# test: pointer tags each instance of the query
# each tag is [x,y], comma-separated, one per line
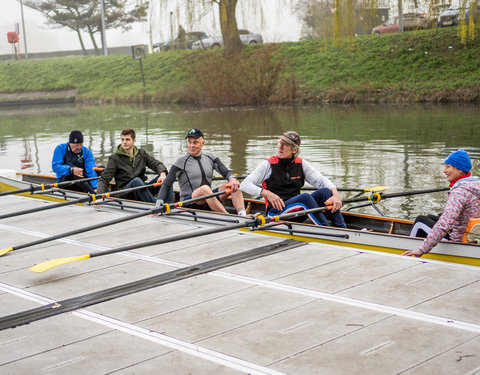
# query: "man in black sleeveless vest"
[73,161]
[281,178]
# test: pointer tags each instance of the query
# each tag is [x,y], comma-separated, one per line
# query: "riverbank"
[420,66]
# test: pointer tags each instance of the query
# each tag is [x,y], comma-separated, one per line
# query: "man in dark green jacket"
[128,166]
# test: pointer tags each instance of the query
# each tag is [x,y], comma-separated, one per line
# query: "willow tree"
[336,19]
[194,10]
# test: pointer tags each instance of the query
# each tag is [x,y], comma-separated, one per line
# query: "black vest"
[74,160]
[287,177]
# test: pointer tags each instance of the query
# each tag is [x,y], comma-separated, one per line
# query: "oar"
[374,197]
[222,178]
[259,221]
[91,198]
[43,187]
[372,189]
[153,211]
[45,266]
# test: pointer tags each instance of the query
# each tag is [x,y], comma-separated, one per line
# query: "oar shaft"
[170,239]
[89,198]
[415,192]
[152,211]
[34,188]
[372,197]
[83,230]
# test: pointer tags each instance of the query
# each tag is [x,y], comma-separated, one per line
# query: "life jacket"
[472,232]
[72,159]
[287,178]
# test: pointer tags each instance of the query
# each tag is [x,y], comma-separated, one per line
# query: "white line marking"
[471,327]
[170,342]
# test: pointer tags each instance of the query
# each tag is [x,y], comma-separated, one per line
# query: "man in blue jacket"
[73,161]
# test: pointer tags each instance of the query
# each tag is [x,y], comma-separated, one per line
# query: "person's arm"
[167,184]
[89,165]
[251,183]
[226,173]
[107,175]
[318,180]
[453,209]
[222,169]
[58,167]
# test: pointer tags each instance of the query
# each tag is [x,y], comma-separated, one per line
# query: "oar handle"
[166,207]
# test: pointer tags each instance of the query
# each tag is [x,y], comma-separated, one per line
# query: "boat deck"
[307,308]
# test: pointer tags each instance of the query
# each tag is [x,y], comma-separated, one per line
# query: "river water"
[402,147]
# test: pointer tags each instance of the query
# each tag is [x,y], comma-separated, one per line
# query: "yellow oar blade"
[4,251]
[45,266]
[377,188]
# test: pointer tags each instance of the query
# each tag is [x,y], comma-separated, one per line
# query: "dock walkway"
[307,308]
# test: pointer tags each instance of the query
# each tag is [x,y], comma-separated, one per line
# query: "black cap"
[76,136]
[194,133]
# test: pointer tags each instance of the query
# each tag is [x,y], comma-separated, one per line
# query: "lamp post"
[23,29]
[104,37]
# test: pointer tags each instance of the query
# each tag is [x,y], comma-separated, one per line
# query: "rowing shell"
[364,231]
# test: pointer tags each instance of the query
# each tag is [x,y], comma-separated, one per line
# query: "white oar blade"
[45,266]
[4,251]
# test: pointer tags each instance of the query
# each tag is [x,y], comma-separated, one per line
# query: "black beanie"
[76,136]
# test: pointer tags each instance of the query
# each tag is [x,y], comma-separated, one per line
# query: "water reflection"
[356,146]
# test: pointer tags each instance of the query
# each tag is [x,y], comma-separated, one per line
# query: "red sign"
[12,37]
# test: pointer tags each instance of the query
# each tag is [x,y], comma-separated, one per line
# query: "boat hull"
[364,232]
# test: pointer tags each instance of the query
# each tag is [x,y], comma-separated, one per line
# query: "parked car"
[217,41]
[434,12]
[449,17]
[190,38]
[456,12]
[411,21]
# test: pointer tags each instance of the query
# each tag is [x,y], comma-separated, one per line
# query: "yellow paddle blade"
[45,266]
[4,251]
[377,188]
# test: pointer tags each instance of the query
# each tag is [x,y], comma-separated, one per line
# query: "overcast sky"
[279,24]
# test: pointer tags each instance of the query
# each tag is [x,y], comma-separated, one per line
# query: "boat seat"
[472,232]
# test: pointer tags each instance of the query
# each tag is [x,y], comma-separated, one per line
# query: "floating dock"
[234,302]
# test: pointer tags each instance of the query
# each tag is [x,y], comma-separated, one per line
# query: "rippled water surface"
[402,147]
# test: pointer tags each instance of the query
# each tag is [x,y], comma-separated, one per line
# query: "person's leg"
[141,195]
[237,199]
[423,225]
[302,201]
[155,189]
[214,204]
[84,187]
[321,196]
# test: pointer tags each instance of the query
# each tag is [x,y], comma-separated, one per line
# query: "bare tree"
[85,15]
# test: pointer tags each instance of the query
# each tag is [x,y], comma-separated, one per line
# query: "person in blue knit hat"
[463,204]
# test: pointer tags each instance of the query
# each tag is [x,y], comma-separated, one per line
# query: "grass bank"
[420,66]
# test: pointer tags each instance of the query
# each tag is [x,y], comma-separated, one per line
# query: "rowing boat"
[363,231]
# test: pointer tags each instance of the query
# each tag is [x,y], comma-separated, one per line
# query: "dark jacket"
[125,168]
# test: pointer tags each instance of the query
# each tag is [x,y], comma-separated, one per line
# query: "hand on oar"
[160,209]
